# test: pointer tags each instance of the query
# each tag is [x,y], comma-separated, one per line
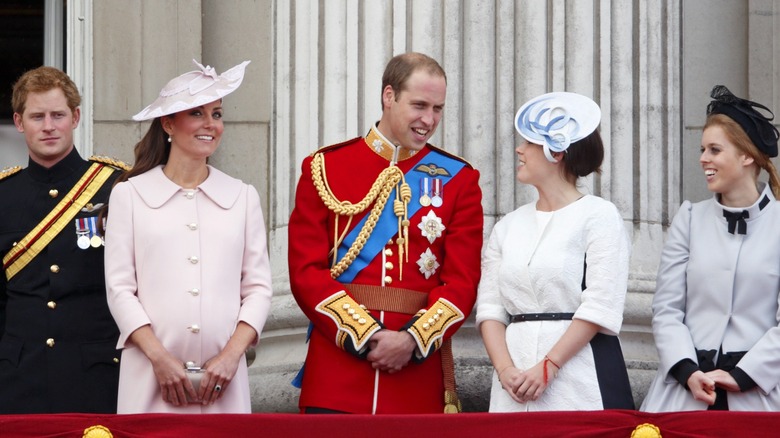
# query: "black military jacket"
[57,337]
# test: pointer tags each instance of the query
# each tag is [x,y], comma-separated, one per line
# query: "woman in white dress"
[555,272]
[715,309]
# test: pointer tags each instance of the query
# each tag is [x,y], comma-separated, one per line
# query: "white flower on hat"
[193,89]
[556,120]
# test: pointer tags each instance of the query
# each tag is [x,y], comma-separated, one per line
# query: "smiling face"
[47,124]
[410,117]
[195,133]
[726,168]
[533,166]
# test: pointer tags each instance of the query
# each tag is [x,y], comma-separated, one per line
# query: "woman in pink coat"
[187,269]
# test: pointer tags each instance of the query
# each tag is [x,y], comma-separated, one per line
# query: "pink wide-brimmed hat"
[192,90]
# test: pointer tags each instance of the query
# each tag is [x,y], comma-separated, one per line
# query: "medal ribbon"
[437,187]
[387,224]
[43,233]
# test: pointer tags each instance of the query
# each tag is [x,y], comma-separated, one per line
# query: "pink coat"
[192,263]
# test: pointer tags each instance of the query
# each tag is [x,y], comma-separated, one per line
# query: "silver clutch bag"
[195,374]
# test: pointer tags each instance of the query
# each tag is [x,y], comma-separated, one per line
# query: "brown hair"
[584,157]
[402,66]
[41,80]
[151,151]
[740,139]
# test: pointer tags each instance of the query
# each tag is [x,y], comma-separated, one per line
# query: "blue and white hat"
[556,120]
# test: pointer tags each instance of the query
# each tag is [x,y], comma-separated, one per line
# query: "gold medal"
[425,199]
[95,241]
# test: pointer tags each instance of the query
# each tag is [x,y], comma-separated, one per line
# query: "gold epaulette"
[113,162]
[451,155]
[8,171]
[335,146]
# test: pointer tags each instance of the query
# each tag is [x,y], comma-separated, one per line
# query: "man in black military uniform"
[57,337]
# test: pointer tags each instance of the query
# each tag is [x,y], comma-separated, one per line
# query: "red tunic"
[337,376]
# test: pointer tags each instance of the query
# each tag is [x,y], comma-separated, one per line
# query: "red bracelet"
[544,366]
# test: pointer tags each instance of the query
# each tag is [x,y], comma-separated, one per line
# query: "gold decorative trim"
[97,431]
[113,162]
[351,319]
[382,147]
[379,192]
[8,171]
[646,430]
[429,329]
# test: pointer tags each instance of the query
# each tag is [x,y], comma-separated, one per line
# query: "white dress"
[533,267]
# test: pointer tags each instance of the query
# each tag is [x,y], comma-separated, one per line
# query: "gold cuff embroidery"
[429,329]
[351,319]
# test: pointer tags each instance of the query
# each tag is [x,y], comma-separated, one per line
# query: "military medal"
[437,200]
[82,233]
[82,242]
[425,200]
[95,241]
[431,226]
[87,233]
[427,263]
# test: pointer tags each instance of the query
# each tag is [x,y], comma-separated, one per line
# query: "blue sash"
[387,225]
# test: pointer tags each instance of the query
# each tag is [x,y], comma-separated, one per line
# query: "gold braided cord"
[379,192]
[389,177]
[338,239]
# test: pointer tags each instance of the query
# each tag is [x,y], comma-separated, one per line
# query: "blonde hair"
[740,139]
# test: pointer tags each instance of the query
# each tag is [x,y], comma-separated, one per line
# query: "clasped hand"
[390,351]
[526,385]
[702,385]
[176,387]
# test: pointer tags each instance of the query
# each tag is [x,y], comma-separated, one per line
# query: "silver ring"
[218,388]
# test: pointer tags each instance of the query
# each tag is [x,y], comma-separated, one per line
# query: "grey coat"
[716,289]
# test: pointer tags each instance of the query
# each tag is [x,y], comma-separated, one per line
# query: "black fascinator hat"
[757,126]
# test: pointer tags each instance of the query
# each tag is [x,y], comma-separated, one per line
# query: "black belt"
[540,317]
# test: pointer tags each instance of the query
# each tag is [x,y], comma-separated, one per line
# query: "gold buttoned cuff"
[352,320]
[429,328]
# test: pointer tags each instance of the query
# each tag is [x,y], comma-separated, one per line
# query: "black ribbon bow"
[736,221]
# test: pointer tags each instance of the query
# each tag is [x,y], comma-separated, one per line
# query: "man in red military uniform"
[384,253]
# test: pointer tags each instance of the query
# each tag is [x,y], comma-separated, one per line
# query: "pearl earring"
[169,139]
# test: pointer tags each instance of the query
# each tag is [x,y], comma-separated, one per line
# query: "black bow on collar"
[736,221]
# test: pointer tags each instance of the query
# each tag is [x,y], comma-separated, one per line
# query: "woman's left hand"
[220,371]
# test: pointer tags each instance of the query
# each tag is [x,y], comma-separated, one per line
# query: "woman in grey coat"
[715,310]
